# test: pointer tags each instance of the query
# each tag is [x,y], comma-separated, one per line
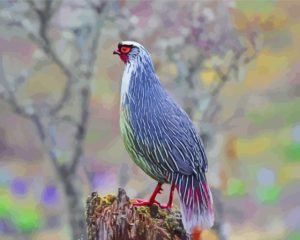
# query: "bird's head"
[129,50]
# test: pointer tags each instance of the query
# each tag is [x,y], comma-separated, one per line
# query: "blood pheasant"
[161,139]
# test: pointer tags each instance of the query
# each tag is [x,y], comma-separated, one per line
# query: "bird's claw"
[143,202]
[152,200]
[140,202]
[165,205]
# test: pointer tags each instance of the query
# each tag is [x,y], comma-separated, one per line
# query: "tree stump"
[114,218]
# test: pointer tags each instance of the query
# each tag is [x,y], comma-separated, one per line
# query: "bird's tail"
[196,201]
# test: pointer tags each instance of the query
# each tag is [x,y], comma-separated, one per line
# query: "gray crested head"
[131,52]
[139,74]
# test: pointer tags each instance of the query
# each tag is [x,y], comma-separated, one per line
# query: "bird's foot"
[158,190]
[165,205]
[143,202]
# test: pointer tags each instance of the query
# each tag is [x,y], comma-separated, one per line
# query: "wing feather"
[171,140]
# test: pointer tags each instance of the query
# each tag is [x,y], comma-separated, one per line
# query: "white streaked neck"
[126,80]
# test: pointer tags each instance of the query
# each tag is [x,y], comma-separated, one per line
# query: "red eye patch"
[125,49]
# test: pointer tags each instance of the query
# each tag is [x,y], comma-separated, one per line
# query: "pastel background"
[233,65]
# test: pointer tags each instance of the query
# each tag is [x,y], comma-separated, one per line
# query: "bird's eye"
[125,49]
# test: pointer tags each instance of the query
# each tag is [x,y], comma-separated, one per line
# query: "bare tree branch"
[86,94]
[66,119]
[47,120]
[9,96]
[100,7]
[47,146]
[44,15]
[28,112]
[42,40]
[72,75]
[234,67]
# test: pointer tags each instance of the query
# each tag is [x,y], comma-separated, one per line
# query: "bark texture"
[114,218]
[72,189]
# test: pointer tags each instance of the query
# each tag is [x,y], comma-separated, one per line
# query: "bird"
[162,140]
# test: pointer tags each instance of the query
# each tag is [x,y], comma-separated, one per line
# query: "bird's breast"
[126,80]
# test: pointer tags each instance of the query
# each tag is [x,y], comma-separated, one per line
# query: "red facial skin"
[123,51]
[124,57]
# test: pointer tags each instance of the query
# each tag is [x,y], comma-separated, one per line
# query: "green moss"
[168,219]
[110,198]
[173,224]
[106,200]
[153,217]
[143,210]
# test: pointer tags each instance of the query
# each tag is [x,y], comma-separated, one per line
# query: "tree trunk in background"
[72,189]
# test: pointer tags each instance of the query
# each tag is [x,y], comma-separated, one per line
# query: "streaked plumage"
[161,138]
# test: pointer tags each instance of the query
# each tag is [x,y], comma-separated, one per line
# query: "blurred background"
[232,65]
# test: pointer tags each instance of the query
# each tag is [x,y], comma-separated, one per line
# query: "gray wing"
[170,140]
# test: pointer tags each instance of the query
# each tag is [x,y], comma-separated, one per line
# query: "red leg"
[171,197]
[151,201]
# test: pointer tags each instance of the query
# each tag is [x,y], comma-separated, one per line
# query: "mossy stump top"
[115,218]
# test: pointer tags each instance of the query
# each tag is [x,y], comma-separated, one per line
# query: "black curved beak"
[116,52]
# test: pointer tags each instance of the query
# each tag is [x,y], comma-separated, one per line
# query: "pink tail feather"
[195,201]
